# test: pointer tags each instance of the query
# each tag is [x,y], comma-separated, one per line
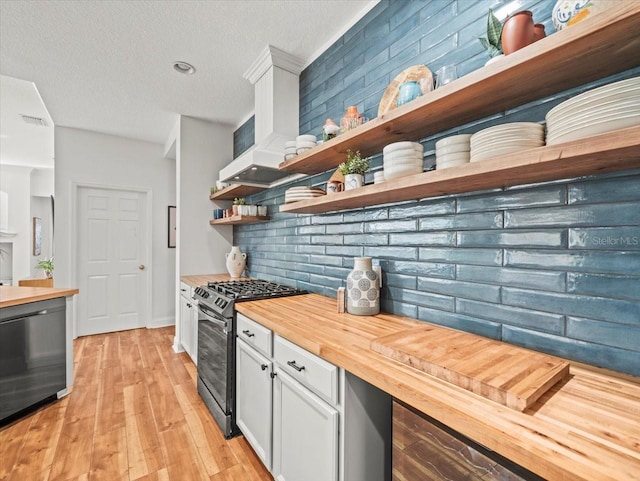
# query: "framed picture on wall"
[172,226]
[37,236]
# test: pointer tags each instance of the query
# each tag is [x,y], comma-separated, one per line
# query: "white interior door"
[111,256]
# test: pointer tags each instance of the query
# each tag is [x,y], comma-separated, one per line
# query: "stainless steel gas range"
[216,341]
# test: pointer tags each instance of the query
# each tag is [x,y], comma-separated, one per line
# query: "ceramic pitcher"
[236,261]
[363,288]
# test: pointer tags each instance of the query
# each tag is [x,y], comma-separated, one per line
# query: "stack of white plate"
[290,149]
[452,151]
[294,194]
[506,138]
[610,107]
[401,159]
[305,142]
[378,177]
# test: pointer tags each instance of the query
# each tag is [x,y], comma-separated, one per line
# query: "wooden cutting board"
[507,374]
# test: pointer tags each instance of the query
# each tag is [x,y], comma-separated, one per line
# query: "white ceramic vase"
[353,181]
[363,289]
[236,261]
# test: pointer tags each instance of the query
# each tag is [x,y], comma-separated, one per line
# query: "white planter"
[252,210]
[262,210]
[353,181]
[236,261]
[243,209]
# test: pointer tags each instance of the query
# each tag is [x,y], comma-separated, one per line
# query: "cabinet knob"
[273,375]
[189,305]
[141,267]
[295,366]
[263,367]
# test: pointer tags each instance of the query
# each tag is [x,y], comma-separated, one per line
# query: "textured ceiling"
[106,65]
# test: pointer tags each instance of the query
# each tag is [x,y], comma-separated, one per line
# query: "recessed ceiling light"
[184,67]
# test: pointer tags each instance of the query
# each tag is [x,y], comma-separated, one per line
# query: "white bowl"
[446,165]
[302,149]
[402,152]
[476,156]
[306,138]
[455,157]
[393,172]
[403,145]
[453,140]
[304,143]
[453,149]
[378,177]
[290,143]
[404,159]
[290,156]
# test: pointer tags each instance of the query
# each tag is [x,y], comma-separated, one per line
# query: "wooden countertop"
[202,279]
[16,295]
[587,428]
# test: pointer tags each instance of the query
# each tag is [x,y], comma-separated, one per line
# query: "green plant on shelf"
[491,42]
[354,164]
[239,201]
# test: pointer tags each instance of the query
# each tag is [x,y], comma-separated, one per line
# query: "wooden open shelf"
[619,150]
[235,190]
[603,45]
[240,219]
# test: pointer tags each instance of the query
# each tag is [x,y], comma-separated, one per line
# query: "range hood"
[275,75]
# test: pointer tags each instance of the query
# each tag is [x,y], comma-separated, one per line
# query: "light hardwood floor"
[134,414]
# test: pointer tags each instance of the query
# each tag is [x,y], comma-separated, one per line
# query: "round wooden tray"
[419,73]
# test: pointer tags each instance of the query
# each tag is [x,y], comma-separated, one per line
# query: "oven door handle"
[213,319]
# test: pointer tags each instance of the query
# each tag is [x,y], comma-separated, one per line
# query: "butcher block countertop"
[201,280]
[16,295]
[586,427]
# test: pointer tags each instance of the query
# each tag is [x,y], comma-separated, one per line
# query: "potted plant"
[46,265]
[237,202]
[354,169]
[492,42]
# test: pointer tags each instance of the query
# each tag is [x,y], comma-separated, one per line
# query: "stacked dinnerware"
[290,149]
[378,177]
[603,109]
[401,159]
[295,194]
[506,138]
[304,143]
[452,151]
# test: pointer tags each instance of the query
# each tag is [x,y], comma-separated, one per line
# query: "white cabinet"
[307,419]
[188,323]
[305,433]
[254,399]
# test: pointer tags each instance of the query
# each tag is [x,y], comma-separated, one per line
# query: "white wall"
[98,159]
[203,148]
[15,181]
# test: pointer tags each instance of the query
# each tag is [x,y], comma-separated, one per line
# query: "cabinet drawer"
[186,290]
[255,334]
[317,374]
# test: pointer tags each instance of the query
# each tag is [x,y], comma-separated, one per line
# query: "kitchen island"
[584,428]
[16,295]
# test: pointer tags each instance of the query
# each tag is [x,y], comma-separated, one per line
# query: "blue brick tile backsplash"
[553,266]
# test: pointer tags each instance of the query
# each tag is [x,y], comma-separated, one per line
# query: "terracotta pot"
[538,32]
[517,31]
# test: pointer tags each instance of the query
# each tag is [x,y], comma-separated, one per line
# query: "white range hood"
[275,75]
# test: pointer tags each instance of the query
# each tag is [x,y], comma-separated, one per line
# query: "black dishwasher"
[32,355]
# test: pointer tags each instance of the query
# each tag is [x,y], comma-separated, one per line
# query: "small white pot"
[353,181]
[262,210]
[252,210]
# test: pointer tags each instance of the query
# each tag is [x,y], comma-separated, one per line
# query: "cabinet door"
[305,434]
[186,324]
[254,399]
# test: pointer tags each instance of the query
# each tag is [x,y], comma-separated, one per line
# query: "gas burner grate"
[253,289]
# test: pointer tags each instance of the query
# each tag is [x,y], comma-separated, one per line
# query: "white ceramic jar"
[363,289]
[236,261]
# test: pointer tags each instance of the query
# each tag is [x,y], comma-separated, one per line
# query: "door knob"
[141,267]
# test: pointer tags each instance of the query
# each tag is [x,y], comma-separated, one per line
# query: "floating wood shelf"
[235,190]
[240,219]
[603,45]
[619,150]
